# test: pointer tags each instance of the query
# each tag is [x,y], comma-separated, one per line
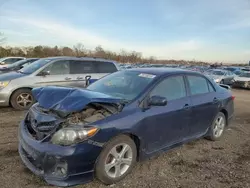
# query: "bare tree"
[79,49]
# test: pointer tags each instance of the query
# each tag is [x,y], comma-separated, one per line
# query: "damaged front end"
[64,116]
[242,84]
[54,136]
[53,126]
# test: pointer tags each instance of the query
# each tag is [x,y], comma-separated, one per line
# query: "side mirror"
[44,73]
[157,101]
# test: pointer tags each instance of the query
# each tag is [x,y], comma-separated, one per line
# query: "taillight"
[233,97]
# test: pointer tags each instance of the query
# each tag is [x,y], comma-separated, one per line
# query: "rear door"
[204,104]
[79,69]
[96,69]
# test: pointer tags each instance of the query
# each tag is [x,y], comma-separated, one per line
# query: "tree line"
[79,50]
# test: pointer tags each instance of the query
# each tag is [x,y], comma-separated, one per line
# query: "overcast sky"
[208,30]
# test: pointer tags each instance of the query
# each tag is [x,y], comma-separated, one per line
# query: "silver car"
[15,87]
[9,60]
[221,76]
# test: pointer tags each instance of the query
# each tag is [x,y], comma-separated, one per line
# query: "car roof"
[12,57]
[162,71]
[79,58]
[223,70]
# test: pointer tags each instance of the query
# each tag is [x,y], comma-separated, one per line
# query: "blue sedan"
[71,135]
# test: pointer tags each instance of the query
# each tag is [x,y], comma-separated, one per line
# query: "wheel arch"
[30,88]
[224,111]
[137,142]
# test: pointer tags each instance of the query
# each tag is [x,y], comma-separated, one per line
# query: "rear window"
[198,85]
[81,67]
[12,60]
[105,67]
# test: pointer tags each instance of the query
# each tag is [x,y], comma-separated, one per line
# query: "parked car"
[232,69]
[72,134]
[221,76]
[15,87]
[17,65]
[9,60]
[243,80]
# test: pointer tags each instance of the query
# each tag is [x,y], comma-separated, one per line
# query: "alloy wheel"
[24,99]
[118,160]
[219,126]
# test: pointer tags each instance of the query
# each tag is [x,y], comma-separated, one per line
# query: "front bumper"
[58,165]
[4,98]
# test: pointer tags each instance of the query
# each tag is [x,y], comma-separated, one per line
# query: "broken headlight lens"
[4,84]
[69,136]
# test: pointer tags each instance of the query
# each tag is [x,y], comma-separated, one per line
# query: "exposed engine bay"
[90,114]
[41,122]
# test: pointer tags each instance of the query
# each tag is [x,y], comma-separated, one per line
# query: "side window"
[105,67]
[198,85]
[172,88]
[10,60]
[58,68]
[18,59]
[82,67]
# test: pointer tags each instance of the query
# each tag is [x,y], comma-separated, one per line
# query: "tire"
[212,134]
[20,94]
[103,171]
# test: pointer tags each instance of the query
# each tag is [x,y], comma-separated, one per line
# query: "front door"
[167,125]
[57,74]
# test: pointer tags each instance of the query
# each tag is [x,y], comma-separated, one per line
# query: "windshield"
[18,63]
[245,74]
[34,66]
[231,69]
[215,72]
[123,84]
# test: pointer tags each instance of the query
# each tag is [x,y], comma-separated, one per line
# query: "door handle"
[186,107]
[67,78]
[79,78]
[215,100]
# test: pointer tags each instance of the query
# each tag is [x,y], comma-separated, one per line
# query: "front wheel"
[217,128]
[22,99]
[116,160]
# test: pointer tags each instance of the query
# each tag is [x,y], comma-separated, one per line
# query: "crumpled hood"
[69,99]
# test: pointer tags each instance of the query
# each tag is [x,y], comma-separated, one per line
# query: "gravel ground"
[201,163]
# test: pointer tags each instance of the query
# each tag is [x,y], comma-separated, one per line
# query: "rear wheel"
[217,128]
[22,99]
[116,160]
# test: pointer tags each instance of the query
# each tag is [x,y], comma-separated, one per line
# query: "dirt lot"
[202,163]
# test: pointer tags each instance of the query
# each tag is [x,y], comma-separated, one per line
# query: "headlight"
[69,136]
[4,84]
[217,80]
